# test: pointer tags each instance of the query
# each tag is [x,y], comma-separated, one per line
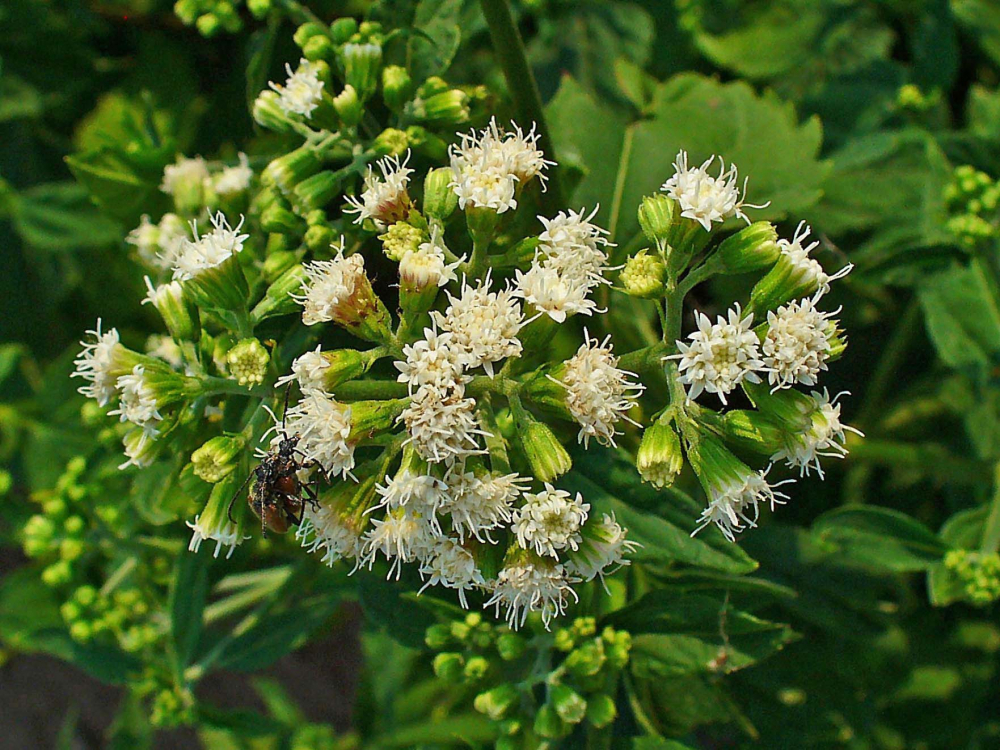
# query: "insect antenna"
[229,510]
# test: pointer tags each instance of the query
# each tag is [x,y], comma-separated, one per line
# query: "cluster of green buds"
[212,17]
[123,615]
[778,340]
[535,689]
[972,198]
[978,573]
[170,705]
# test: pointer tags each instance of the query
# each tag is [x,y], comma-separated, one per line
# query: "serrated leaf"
[961,318]
[123,183]
[430,52]
[60,217]
[881,538]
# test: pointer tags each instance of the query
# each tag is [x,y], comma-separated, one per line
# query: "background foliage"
[840,623]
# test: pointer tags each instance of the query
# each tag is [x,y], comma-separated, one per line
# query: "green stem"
[213,386]
[509,48]
[991,531]
[366,390]
[888,364]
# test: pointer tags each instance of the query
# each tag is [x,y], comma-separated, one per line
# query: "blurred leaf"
[60,217]
[124,183]
[187,603]
[430,53]
[981,18]
[935,46]
[130,729]
[243,723]
[384,606]
[655,743]
[964,530]
[880,538]
[462,730]
[260,51]
[18,99]
[961,319]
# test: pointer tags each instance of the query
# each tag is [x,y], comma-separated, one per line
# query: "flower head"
[401,537]
[603,549]
[803,269]
[324,529]
[184,175]
[137,403]
[824,437]
[442,425]
[797,344]
[550,521]
[598,393]
[483,324]
[420,493]
[451,565]
[427,265]
[302,91]
[338,290]
[480,503]
[433,361]
[384,199]
[234,179]
[704,198]
[99,364]
[532,586]
[719,355]
[209,250]
[323,426]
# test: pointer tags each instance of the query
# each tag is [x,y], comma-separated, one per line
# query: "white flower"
[603,550]
[734,505]
[208,250]
[442,425]
[825,437]
[168,293]
[401,537]
[97,364]
[335,290]
[302,91]
[323,427]
[323,529]
[427,265]
[719,356]
[384,199]
[165,348]
[450,565]
[138,448]
[807,269]
[550,521]
[480,504]
[598,393]
[137,402]
[419,493]
[173,234]
[184,174]
[797,344]
[487,166]
[309,370]
[532,587]
[234,179]
[145,238]
[554,294]
[224,535]
[433,361]
[483,324]
[705,198]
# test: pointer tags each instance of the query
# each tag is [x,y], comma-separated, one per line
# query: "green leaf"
[461,730]
[981,18]
[661,521]
[961,319]
[964,530]
[187,603]
[60,217]
[655,743]
[430,53]
[385,607]
[124,183]
[880,538]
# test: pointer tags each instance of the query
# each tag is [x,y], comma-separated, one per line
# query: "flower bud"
[397,87]
[569,704]
[656,217]
[753,248]
[278,298]
[317,191]
[348,106]
[659,459]
[445,109]
[216,458]
[268,114]
[213,524]
[259,8]
[362,64]
[476,668]
[307,31]
[318,238]
[185,182]
[449,666]
[343,29]
[618,644]
[752,431]
[549,724]
[496,702]
[289,170]
[276,263]
[139,447]
[318,48]
[391,142]
[208,25]
[510,646]
[179,316]
[426,143]
[440,200]
[587,660]
[643,275]
[277,218]
[401,238]
[437,636]
[601,710]
[248,362]
[543,450]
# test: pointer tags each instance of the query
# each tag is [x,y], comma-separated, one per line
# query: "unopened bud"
[259,8]
[391,142]
[277,218]
[318,237]
[276,263]
[656,217]
[317,191]
[426,143]
[397,87]
[248,362]
[601,710]
[278,297]
[289,170]
[440,200]
[510,646]
[569,704]
[643,275]
[437,636]
[343,29]
[752,431]
[543,450]
[447,108]
[401,238]
[659,459]
[496,702]
[753,248]
[268,114]
[362,65]
[448,666]
[307,31]
[476,668]
[348,106]
[618,644]
[216,458]
[587,659]
[549,724]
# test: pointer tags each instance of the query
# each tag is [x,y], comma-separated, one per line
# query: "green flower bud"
[277,262]
[343,29]
[440,200]
[449,666]
[70,549]
[460,631]
[277,218]
[549,724]
[318,238]
[569,704]
[187,10]
[397,87]
[348,106]
[497,702]
[437,636]
[510,646]
[584,627]
[208,25]
[618,644]
[753,432]
[307,31]
[656,217]
[391,142]
[362,65]
[753,248]
[793,275]
[368,29]
[57,573]
[448,108]
[317,191]
[659,459]
[401,238]
[507,743]
[73,525]
[216,458]
[643,275]
[564,640]
[259,8]
[587,659]
[601,710]
[268,114]
[543,450]
[248,362]
[476,668]
[81,631]
[171,302]
[70,611]
[370,418]
[289,170]
[85,595]
[426,143]
[278,297]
